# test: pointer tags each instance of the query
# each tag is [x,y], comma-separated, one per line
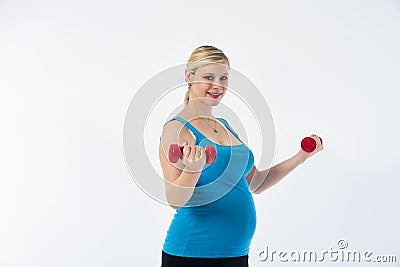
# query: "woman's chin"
[211,102]
[207,100]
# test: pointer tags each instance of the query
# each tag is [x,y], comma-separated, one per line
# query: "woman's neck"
[199,109]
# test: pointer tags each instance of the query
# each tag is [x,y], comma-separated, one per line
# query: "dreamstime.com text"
[342,254]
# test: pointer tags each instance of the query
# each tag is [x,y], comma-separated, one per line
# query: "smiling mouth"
[213,95]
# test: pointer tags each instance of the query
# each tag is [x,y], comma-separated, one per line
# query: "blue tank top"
[219,220]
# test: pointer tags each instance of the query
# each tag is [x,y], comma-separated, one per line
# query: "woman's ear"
[187,76]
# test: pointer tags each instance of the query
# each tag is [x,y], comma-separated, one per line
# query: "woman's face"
[209,83]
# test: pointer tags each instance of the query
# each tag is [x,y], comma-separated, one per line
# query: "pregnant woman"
[215,216]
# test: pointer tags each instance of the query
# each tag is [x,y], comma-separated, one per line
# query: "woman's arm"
[180,177]
[259,181]
[179,183]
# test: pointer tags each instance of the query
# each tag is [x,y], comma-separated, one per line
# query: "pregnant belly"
[223,227]
[232,216]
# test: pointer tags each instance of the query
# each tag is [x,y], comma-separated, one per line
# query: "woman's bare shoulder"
[175,132]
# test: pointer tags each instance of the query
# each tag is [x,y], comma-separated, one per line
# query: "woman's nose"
[217,86]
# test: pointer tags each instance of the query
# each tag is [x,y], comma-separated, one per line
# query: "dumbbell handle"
[176,152]
[308,144]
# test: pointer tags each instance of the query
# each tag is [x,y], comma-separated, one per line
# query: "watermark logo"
[341,254]
[342,244]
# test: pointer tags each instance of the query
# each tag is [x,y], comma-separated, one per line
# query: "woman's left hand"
[305,155]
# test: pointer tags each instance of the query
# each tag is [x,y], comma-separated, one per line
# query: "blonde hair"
[201,56]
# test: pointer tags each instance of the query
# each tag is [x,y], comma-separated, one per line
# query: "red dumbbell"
[308,144]
[176,152]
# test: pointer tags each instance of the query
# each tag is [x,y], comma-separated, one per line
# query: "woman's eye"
[224,78]
[209,78]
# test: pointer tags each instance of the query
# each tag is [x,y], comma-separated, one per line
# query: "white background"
[69,69]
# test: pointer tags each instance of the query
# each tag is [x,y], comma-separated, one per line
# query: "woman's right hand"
[194,157]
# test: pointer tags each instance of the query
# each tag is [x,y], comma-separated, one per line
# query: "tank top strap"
[229,128]
[199,135]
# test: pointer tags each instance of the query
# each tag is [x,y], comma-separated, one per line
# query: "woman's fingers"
[186,151]
[319,143]
[193,157]
[198,153]
[191,152]
[317,139]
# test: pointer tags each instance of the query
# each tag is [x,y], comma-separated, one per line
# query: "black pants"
[177,261]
